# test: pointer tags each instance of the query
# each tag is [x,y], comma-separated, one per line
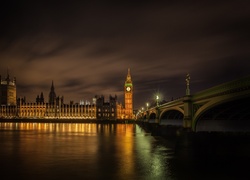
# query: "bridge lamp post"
[157,109]
[139,114]
[142,113]
[147,114]
[157,100]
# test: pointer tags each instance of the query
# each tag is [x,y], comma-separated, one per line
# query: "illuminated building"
[8,97]
[55,108]
[111,110]
[120,111]
[128,97]
[31,110]
[64,111]
[8,91]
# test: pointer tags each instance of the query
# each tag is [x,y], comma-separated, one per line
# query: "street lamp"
[157,100]
[147,104]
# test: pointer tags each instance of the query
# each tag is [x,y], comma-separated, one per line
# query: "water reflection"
[115,151]
[77,151]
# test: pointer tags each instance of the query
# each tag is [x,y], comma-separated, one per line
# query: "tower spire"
[8,75]
[128,79]
[52,94]
[52,86]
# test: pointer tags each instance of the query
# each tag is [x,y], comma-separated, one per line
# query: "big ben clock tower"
[128,95]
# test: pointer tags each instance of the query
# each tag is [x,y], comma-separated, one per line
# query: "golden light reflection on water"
[52,127]
[59,130]
[93,151]
[80,147]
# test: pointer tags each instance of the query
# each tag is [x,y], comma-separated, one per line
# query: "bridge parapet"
[171,103]
[223,89]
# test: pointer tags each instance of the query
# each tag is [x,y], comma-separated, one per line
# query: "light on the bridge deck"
[157,100]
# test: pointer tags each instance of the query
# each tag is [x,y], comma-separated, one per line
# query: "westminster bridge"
[221,108]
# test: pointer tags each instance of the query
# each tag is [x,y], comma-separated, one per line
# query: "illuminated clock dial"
[128,88]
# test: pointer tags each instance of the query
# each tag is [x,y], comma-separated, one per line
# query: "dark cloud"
[86,47]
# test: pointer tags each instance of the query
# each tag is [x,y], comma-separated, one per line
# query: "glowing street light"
[157,100]
[147,104]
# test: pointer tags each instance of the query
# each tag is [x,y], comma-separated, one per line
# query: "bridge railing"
[225,88]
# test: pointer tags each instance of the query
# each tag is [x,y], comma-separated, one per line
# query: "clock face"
[128,88]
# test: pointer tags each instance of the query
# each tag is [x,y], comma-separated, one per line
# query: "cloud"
[86,48]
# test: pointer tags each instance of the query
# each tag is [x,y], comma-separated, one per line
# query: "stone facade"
[8,91]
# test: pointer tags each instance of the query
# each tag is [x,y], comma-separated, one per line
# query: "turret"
[52,94]
[8,91]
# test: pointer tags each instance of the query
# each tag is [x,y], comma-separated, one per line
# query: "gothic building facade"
[46,110]
[8,91]
[128,97]
[8,96]
[110,110]
[40,99]
[52,95]
[56,108]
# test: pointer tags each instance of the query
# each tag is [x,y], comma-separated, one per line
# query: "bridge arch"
[173,117]
[229,113]
[152,115]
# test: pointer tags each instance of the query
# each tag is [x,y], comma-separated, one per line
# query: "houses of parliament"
[55,108]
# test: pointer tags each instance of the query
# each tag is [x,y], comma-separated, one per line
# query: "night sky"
[87,47]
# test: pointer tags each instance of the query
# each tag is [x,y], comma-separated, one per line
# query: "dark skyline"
[86,48]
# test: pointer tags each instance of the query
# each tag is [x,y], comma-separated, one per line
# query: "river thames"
[105,151]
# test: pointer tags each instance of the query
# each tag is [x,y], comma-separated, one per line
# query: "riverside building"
[8,96]
[8,91]
[55,108]
[110,110]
